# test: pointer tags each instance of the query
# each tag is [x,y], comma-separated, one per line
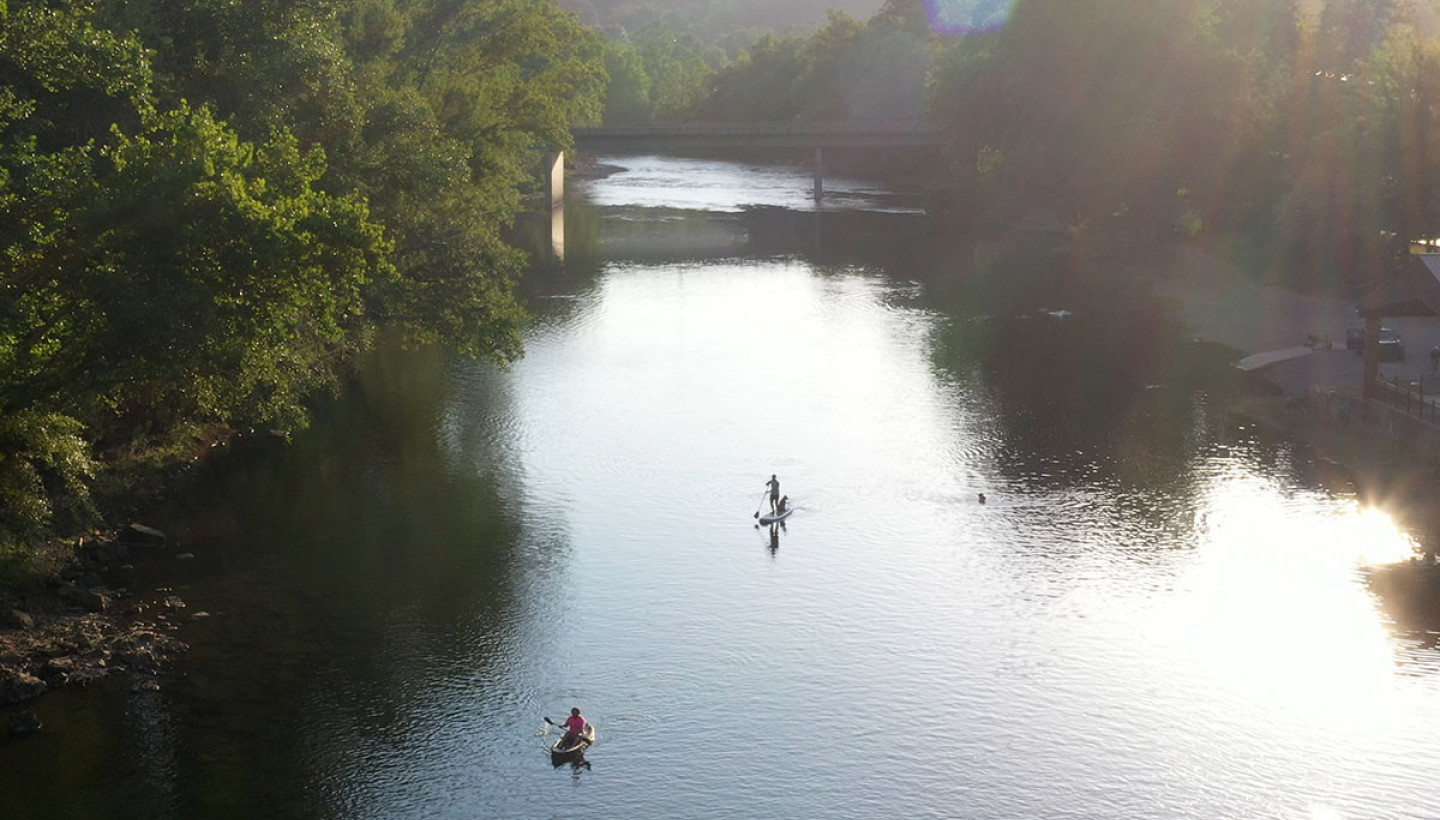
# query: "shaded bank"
[308,557]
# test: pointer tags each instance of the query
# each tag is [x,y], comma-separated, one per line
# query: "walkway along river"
[1155,614]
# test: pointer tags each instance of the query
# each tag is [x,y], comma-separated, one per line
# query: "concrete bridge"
[816,136]
[847,134]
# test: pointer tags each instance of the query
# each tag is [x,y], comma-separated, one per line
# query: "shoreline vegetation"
[207,213]
[185,258]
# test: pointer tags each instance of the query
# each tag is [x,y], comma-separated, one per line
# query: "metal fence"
[1408,395]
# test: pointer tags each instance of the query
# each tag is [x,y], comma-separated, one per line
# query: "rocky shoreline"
[586,167]
[85,624]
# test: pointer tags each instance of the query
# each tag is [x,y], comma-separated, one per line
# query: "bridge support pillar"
[819,173]
[555,177]
[557,233]
[555,193]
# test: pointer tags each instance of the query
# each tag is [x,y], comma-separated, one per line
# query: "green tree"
[1129,122]
[882,71]
[459,112]
[203,218]
[820,89]
[627,95]
[675,63]
[762,85]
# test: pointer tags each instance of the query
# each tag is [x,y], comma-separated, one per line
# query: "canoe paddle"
[762,503]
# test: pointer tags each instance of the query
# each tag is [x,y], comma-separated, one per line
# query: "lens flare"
[967,16]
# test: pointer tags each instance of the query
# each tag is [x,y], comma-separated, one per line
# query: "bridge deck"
[849,134]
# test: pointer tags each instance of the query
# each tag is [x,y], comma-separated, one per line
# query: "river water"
[1157,612]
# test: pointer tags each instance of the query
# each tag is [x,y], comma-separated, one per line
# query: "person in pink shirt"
[573,726]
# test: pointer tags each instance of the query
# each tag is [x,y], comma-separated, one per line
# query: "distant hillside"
[710,20]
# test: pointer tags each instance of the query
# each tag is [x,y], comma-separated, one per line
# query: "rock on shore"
[140,535]
[74,632]
[78,649]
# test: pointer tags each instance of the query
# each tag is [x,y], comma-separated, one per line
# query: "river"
[1157,612]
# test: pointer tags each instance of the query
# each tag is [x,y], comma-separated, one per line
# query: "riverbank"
[1310,393]
[84,623]
[1281,333]
[1385,462]
[73,608]
[586,167]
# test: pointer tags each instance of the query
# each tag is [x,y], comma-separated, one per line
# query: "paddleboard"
[771,518]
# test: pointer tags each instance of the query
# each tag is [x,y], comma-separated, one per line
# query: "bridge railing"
[789,128]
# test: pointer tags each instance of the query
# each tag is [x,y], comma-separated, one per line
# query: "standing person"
[1435,358]
[774,485]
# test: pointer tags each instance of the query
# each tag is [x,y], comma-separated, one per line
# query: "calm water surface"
[1155,615]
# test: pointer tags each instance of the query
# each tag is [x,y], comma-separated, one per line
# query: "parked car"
[1392,347]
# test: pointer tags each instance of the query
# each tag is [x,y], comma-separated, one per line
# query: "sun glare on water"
[1275,608]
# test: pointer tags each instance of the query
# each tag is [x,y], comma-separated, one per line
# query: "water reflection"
[1337,664]
[726,186]
[360,579]
[1152,614]
[773,536]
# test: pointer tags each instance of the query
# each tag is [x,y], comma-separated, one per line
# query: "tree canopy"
[1303,131]
[1304,127]
[207,207]
[715,21]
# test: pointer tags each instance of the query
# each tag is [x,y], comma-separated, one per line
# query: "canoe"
[772,518]
[576,750]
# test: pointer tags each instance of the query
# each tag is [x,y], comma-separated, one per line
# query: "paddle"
[556,725]
[580,738]
[761,504]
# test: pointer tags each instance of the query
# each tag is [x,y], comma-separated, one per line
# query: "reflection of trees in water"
[893,242]
[361,566]
[595,236]
[1085,379]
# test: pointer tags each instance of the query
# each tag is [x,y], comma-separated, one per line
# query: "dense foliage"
[716,21]
[847,69]
[207,207]
[1306,133]
[1305,128]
